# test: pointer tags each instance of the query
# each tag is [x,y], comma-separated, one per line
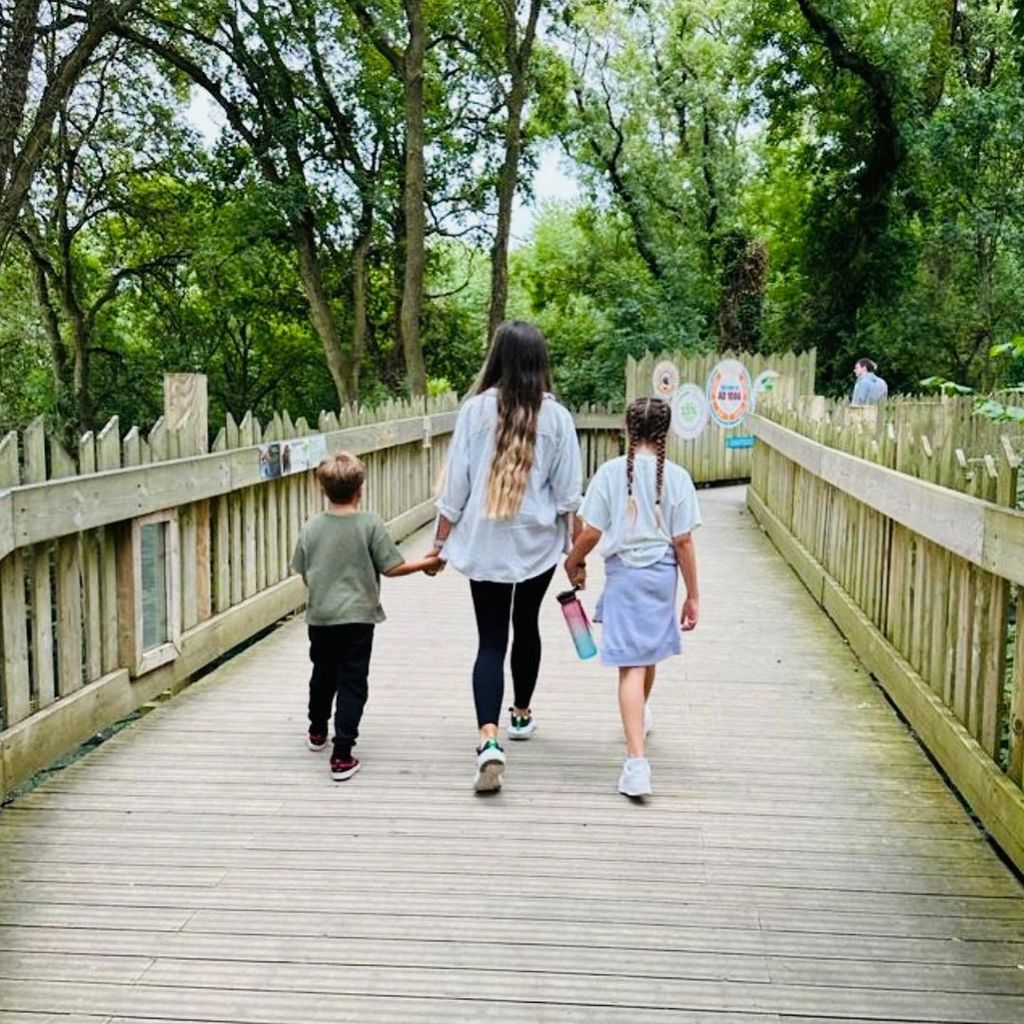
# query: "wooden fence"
[601,430]
[938,439]
[925,583]
[708,458]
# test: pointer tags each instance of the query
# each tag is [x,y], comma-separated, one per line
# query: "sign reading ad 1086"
[729,393]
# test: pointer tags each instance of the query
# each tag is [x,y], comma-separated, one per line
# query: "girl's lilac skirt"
[637,612]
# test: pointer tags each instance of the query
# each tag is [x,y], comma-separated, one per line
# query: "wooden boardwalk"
[801,860]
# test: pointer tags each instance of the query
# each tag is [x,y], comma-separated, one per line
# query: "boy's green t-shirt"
[342,556]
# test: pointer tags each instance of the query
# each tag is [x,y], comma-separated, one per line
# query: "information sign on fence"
[665,379]
[689,412]
[729,393]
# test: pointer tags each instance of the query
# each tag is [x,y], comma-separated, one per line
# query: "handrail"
[988,535]
[32,513]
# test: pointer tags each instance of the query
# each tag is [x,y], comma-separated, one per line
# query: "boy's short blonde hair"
[341,476]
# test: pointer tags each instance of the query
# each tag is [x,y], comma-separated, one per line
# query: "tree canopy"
[314,201]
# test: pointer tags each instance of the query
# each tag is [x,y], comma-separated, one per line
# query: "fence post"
[187,417]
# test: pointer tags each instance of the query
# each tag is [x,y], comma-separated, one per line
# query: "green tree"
[99,217]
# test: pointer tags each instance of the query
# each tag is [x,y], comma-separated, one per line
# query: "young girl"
[642,510]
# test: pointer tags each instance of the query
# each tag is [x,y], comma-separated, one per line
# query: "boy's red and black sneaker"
[343,768]
[316,740]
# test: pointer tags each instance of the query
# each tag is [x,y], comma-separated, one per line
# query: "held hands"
[434,562]
[690,615]
[577,572]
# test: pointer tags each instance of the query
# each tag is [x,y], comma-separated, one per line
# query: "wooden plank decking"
[801,860]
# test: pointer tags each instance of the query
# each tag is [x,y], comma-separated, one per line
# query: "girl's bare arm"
[575,565]
[686,555]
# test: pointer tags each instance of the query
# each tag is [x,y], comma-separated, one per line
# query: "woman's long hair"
[517,365]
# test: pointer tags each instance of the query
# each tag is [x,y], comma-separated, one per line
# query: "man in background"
[870,389]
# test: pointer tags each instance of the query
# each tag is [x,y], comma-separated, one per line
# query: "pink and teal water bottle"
[579,624]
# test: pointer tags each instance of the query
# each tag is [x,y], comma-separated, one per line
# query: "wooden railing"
[81,593]
[601,431]
[926,584]
[940,439]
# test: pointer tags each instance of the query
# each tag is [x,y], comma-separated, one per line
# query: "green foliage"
[582,281]
[26,376]
[769,175]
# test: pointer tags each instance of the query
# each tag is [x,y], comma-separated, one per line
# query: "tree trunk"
[394,360]
[518,59]
[507,183]
[320,307]
[711,213]
[360,291]
[24,162]
[413,201]
[80,376]
[943,31]
[51,324]
[16,62]
[887,151]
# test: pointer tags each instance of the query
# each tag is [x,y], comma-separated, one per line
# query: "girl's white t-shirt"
[640,541]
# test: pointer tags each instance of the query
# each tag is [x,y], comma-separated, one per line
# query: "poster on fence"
[270,461]
[764,383]
[317,450]
[665,380]
[729,393]
[285,458]
[294,456]
[689,412]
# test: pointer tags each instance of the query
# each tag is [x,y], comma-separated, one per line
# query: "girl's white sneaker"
[635,779]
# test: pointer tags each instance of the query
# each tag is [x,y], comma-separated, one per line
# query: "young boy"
[341,554]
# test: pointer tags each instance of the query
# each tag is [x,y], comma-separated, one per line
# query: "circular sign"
[729,393]
[689,412]
[666,379]
[764,381]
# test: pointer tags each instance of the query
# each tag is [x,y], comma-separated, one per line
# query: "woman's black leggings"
[496,605]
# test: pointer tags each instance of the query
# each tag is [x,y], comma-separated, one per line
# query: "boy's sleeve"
[455,490]
[383,550]
[596,508]
[299,555]
[684,516]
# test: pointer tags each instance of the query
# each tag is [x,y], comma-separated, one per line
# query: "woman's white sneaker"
[635,779]
[521,727]
[490,767]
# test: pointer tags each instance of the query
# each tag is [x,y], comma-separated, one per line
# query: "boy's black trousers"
[341,668]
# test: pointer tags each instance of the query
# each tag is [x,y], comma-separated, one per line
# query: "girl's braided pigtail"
[631,433]
[647,422]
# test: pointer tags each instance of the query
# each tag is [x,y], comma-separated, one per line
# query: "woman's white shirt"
[644,539]
[517,549]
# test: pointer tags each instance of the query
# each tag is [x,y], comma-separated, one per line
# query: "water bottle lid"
[566,596]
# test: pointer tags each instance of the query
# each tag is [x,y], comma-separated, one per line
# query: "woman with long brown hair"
[512,483]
